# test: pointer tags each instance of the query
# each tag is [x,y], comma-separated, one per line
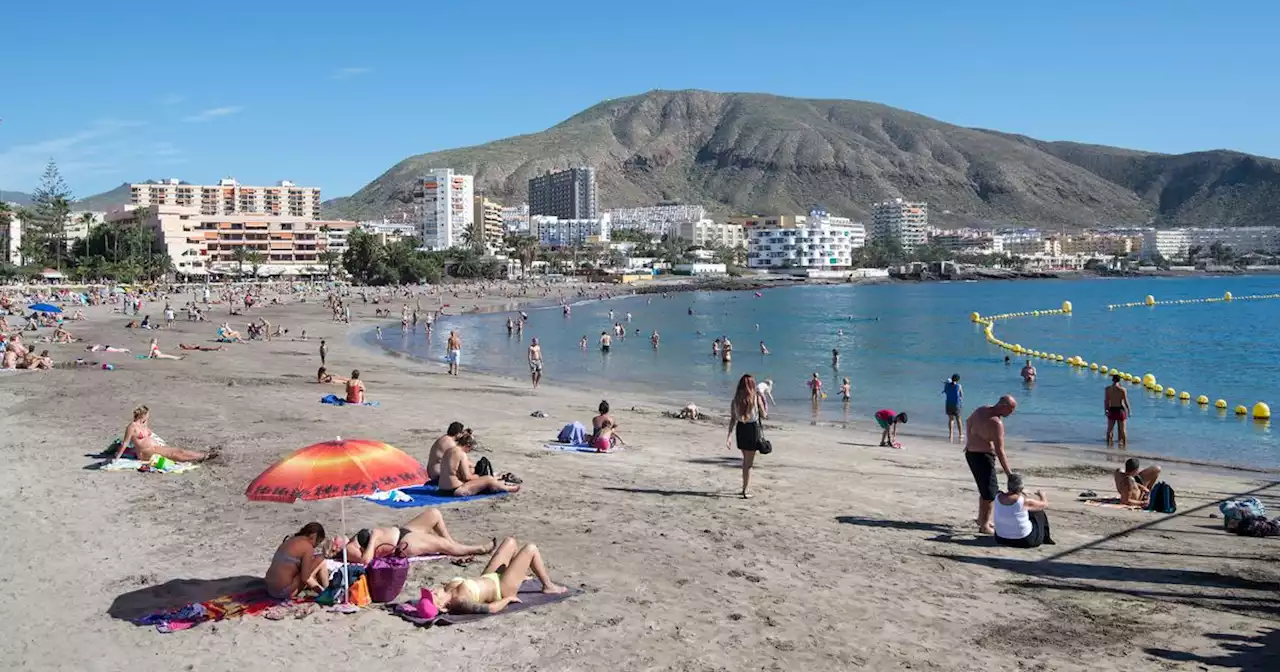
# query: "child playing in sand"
[889,421]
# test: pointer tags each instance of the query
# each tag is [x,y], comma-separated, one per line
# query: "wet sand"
[849,555]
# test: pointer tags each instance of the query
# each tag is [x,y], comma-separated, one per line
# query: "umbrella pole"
[346,581]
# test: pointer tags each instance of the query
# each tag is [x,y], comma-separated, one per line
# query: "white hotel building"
[818,242]
[656,219]
[1175,243]
[903,221]
[556,232]
[448,207]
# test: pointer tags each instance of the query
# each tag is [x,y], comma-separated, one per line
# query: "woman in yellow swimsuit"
[498,585]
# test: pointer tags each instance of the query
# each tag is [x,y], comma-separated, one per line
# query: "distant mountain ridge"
[107,200]
[758,153]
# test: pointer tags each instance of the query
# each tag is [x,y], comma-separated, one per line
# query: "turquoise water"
[898,342]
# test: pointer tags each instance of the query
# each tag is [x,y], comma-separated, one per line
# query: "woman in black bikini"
[426,534]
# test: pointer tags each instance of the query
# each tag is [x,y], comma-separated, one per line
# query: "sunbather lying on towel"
[458,477]
[498,583]
[298,564]
[201,348]
[426,534]
[138,435]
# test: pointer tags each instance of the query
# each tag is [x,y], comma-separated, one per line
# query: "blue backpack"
[1162,499]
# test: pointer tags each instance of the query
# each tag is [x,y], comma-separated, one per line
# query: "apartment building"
[229,197]
[489,214]
[656,220]
[567,194]
[821,243]
[448,208]
[963,243]
[770,221]
[387,231]
[199,244]
[708,233]
[515,218]
[556,232]
[1176,243]
[903,221]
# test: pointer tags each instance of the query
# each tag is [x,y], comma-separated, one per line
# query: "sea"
[897,343]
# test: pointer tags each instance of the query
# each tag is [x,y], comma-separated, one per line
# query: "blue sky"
[331,94]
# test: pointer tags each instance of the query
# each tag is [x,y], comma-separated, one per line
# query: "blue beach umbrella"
[44,308]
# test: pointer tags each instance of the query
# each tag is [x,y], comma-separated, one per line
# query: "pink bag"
[387,576]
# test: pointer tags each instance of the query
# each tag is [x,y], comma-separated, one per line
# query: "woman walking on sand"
[745,415]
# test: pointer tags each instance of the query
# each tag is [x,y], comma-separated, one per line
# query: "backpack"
[484,467]
[1162,499]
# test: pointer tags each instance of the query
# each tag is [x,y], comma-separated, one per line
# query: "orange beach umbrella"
[338,469]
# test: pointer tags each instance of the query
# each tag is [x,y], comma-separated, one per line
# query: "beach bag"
[1162,499]
[763,446]
[484,467]
[387,575]
[1236,510]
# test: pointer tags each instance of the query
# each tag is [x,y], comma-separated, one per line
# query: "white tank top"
[1012,521]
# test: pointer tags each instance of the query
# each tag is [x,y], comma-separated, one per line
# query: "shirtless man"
[435,456]
[984,445]
[458,478]
[1115,403]
[454,346]
[606,342]
[535,362]
[1133,485]
[1029,373]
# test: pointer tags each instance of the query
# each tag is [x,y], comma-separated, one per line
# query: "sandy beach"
[849,556]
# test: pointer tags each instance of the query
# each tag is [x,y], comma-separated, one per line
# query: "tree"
[1221,254]
[362,257]
[6,218]
[330,259]
[240,255]
[525,248]
[473,237]
[50,208]
[255,259]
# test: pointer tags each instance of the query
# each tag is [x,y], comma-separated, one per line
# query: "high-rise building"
[489,214]
[229,197]
[568,194]
[818,241]
[447,207]
[901,221]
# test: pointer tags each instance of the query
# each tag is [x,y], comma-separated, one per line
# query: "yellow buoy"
[974,316]
[1151,300]
[1157,388]
[1227,296]
[1202,400]
[1149,380]
[1221,403]
[1170,392]
[1241,410]
[1058,357]
[1185,396]
[1261,411]
[1066,306]
[1093,366]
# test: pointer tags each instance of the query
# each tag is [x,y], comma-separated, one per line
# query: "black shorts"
[953,410]
[748,435]
[983,467]
[447,492]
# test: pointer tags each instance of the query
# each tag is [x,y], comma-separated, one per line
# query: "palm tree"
[256,259]
[473,237]
[6,216]
[330,258]
[240,255]
[525,249]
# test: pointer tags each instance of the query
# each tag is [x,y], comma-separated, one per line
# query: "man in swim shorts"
[1133,485]
[454,346]
[889,421]
[605,342]
[1115,403]
[1029,373]
[954,397]
[984,446]
[535,362]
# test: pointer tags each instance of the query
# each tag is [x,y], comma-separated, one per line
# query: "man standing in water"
[606,342]
[654,339]
[535,362]
[1115,402]
[984,446]
[1029,373]
[454,346]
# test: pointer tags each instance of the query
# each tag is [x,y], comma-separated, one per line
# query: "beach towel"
[574,434]
[128,464]
[569,448]
[426,495]
[531,596]
[219,608]
[1111,503]
[335,400]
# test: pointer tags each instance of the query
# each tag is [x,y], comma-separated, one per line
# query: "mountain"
[107,200]
[758,153]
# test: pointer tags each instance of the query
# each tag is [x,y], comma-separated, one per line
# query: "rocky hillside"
[756,153]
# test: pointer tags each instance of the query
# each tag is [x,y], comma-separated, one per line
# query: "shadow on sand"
[178,593]
[1259,653]
[671,493]
[895,524]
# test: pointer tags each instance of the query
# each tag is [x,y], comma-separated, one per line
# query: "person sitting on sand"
[1021,521]
[425,534]
[498,583]
[435,456]
[201,348]
[226,333]
[606,438]
[355,388]
[1133,485]
[153,351]
[78,315]
[40,361]
[298,564]
[61,335]
[323,376]
[138,436]
[458,477]
[598,421]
